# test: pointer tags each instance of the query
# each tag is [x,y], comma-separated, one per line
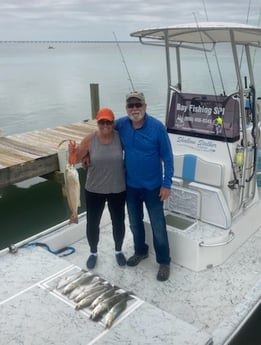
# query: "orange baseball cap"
[105,114]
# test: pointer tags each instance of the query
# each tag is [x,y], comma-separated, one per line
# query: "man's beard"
[137,117]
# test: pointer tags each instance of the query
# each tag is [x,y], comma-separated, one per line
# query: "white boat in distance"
[212,218]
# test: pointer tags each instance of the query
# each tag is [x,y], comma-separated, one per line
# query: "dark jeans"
[95,204]
[135,199]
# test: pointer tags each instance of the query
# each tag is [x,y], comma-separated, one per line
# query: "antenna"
[124,62]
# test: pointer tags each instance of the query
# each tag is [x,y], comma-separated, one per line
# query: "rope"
[70,250]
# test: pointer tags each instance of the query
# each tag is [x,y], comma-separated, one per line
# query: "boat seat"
[191,168]
[197,191]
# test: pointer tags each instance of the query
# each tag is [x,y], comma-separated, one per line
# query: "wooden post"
[95,100]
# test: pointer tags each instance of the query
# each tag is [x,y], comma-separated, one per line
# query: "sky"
[93,20]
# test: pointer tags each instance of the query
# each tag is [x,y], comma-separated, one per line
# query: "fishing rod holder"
[232,184]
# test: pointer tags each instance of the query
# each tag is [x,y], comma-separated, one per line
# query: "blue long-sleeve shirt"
[148,153]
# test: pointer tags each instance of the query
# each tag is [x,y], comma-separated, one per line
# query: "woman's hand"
[72,148]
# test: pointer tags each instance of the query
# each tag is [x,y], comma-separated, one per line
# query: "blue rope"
[70,250]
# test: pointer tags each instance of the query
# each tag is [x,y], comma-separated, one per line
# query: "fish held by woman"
[72,182]
[72,188]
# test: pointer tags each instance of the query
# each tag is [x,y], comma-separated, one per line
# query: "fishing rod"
[123,60]
[205,9]
[215,55]
[242,48]
[232,183]
[205,53]
[258,24]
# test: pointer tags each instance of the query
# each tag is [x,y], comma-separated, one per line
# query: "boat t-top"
[214,205]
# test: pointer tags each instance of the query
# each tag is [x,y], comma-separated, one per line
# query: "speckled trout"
[85,278]
[106,304]
[86,301]
[115,311]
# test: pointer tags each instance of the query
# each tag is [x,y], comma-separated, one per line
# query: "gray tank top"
[106,172]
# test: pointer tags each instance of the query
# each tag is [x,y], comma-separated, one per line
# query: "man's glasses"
[136,105]
[105,122]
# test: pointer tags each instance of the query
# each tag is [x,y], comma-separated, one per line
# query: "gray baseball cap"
[135,94]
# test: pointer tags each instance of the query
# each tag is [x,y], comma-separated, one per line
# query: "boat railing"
[231,236]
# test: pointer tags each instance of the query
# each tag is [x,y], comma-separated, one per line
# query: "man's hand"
[164,193]
[86,161]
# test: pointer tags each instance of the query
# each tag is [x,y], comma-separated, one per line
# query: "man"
[149,171]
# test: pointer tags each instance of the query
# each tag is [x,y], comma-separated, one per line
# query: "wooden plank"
[33,168]
[35,153]
[10,144]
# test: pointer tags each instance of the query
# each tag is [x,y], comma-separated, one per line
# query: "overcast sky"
[98,19]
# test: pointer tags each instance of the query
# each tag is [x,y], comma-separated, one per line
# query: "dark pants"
[136,197]
[95,204]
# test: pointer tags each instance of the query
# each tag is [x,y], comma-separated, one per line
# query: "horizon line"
[66,41]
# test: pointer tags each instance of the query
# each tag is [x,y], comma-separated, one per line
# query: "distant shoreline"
[72,41]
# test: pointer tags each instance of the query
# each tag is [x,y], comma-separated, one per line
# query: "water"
[43,88]
[31,207]
[249,333]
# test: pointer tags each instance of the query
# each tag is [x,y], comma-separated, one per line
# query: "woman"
[101,152]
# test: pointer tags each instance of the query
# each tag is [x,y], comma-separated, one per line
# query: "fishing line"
[205,9]
[205,53]
[258,24]
[222,84]
[242,49]
[215,55]
[123,60]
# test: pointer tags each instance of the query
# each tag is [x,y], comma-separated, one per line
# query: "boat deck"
[190,308]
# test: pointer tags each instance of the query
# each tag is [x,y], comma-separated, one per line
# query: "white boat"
[212,218]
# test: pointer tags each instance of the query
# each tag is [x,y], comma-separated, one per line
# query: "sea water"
[42,88]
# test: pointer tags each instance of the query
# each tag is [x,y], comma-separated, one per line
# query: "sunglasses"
[136,105]
[105,122]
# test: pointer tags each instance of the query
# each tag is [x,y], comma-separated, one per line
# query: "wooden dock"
[31,154]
